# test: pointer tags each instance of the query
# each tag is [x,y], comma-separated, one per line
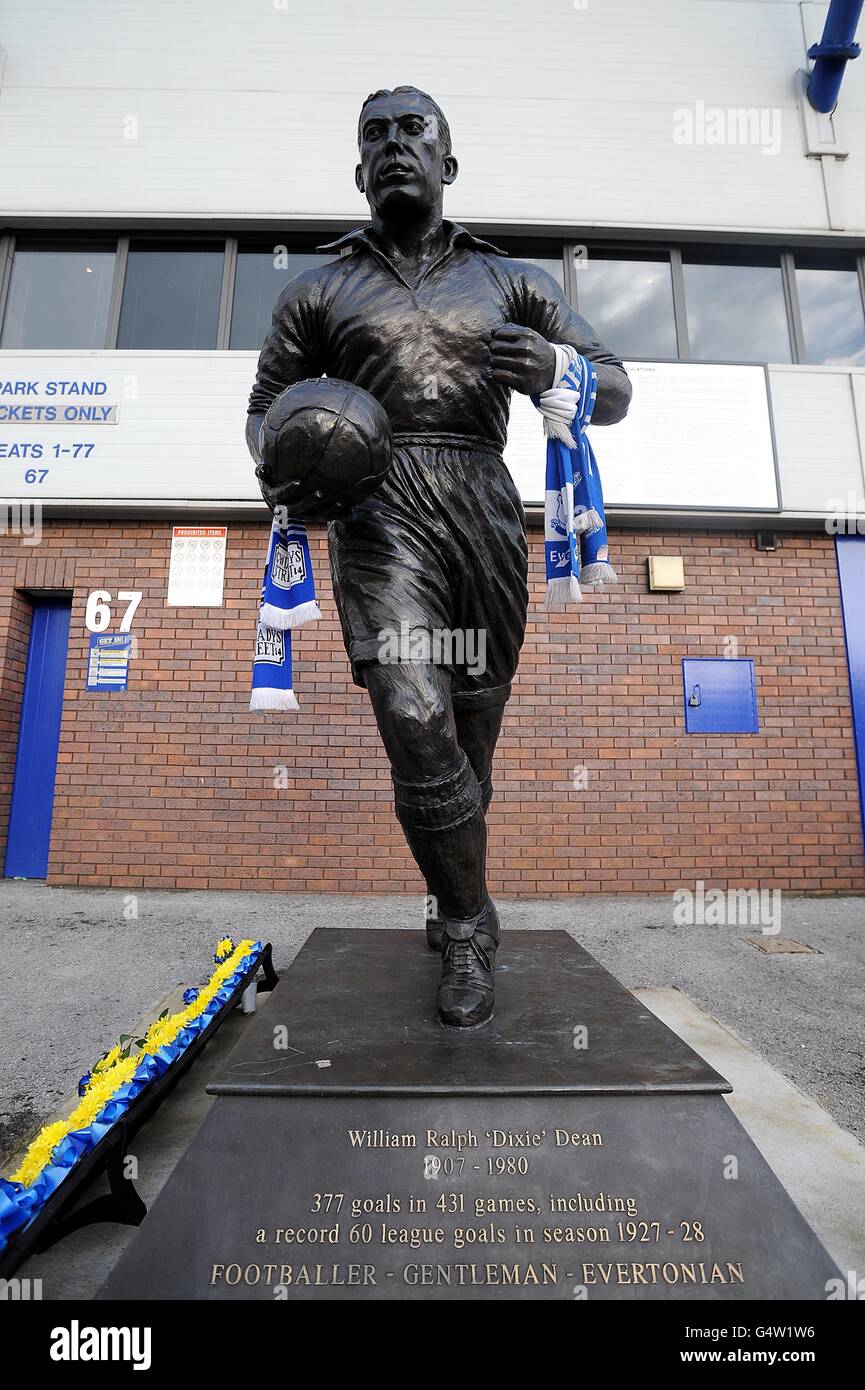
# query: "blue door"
[851,572]
[38,738]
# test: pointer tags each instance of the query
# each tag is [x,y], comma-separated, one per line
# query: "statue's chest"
[446,313]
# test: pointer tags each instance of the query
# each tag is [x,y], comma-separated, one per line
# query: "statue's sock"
[443,821]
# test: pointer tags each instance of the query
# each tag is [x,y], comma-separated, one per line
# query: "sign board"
[111,426]
[108,664]
[197,567]
[697,435]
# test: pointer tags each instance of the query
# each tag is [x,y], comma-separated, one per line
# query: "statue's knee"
[416,724]
[419,727]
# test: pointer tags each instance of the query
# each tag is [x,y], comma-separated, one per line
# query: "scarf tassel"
[266,698]
[562,592]
[282,619]
[600,572]
[588,520]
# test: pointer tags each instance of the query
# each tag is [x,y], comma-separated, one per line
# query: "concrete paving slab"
[819,1163]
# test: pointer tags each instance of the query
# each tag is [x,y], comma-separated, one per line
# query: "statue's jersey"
[422,351]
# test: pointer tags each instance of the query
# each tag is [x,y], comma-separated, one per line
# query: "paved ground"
[79,968]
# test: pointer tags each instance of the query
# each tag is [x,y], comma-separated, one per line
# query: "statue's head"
[405,153]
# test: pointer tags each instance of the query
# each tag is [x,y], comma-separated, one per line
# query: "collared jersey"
[423,350]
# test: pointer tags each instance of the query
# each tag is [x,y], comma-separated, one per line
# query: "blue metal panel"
[38,739]
[851,573]
[720,695]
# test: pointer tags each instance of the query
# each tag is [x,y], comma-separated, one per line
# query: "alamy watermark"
[77,1343]
[435,646]
[22,519]
[845,516]
[759,126]
[728,907]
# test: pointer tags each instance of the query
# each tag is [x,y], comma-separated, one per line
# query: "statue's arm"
[543,307]
[292,350]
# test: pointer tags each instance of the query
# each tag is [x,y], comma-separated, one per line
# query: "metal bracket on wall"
[820,142]
[819,136]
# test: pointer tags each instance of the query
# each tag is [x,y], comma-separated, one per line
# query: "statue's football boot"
[466,992]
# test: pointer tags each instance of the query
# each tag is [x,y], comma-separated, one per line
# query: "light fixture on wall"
[666,573]
[766,540]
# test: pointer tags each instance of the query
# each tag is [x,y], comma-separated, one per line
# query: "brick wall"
[172,784]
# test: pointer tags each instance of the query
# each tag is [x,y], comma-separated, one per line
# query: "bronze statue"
[439,326]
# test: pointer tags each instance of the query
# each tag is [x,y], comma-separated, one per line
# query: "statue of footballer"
[438,327]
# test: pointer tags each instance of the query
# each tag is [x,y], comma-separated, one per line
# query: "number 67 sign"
[98,615]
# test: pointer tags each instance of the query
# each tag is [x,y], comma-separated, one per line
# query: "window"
[261,276]
[546,254]
[552,267]
[628,300]
[171,296]
[59,295]
[736,313]
[830,302]
[729,304]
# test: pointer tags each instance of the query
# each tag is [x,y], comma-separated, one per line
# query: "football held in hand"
[325,446]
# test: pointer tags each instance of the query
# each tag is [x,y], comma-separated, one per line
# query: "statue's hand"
[522,359]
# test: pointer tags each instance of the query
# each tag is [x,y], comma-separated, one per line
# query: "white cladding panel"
[562,112]
[820,437]
[173,431]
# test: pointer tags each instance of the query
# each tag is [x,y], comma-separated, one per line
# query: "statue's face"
[402,161]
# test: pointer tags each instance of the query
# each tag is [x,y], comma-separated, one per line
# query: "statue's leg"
[478,723]
[438,799]
[439,551]
[439,805]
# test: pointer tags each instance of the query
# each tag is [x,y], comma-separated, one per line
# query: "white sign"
[133,426]
[697,435]
[197,568]
[115,426]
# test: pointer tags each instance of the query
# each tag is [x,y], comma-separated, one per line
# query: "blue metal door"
[38,738]
[851,572]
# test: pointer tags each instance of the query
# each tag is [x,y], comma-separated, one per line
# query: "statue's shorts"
[432,567]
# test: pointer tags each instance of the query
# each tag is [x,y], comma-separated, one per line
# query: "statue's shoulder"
[527,275]
[307,288]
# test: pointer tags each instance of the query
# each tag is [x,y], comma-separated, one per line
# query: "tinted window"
[830,300]
[261,276]
[736,313]
[171,297]
[628,300]
[545,254]
[58,296]
[552,267]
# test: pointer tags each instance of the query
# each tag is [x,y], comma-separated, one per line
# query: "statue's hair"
[444,129]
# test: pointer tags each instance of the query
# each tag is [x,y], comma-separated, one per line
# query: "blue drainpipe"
[832,54]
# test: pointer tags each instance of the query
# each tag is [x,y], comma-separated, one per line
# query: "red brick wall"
[171,784]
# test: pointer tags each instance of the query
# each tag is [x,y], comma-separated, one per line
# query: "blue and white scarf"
[287,601]
[575,529]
